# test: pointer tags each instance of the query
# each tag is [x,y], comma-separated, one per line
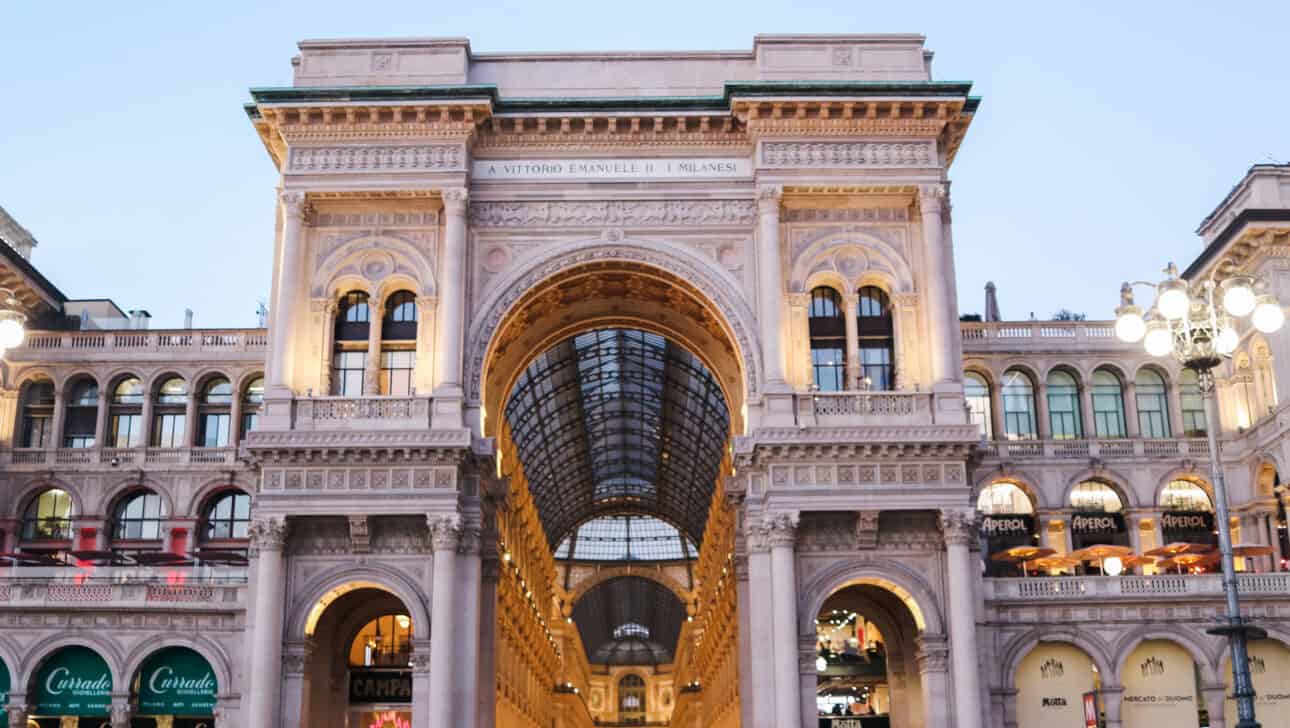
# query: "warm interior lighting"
[1113,566]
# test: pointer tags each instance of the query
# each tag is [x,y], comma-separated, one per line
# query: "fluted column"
[452,292]
[445,533]
[372,365]
[959,528]
[940,309]
[781,534]
[291,205]
[423,377]
[329,308]
[268,537]
[770,276]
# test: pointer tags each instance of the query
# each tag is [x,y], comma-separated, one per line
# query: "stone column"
[1087,421]
[770,277]
[452,292]
[759,683]
[486,694]
[17,710]
[101,418]
[420,681]
[1133,523]
[959,529]
[468,648]
[1043,426]
[1111,705]
[933,669]
[444,532]
[941,308]
[1131,410]
[996,411]
[1214,696]
[423,376]
[798,371]
[291,204]
[808,680]
[56,422]
[120,712]
[781,533]
[372,365]
[851,305]
[903,331]
[1006,706]
[235,417]
[329,307]
[190,416]
[268,537]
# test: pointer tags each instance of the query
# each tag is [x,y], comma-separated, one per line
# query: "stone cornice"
[447,447]
[941,441]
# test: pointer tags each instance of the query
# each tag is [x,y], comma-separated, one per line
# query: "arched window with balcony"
[214,413]
[126,413]
[226,519]
[47,521]
[875,335]
[1187,513]
[349,361]
[1018,395]
[976,391]
[1108,405]
[170,413]
[1064,418]
[631,700]
[398,343]
[1007,521]
[1097,515]
[252,401]
[828,339]
[1153,404]
[136,522]
[1191,404]
[38,414]
[81,421]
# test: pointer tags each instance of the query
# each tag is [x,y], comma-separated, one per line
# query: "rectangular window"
[1153,413]
[1108,414]
[1063,415]
[875,363]
[35,431]
[249,421]
[168,430]
[347,371]
[830,369]
[127,430]
[396,372]
[214,430]
[1193,412]
[78,441]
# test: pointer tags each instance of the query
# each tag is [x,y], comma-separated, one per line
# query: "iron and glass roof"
[626,537]
[617,420]
[611,615]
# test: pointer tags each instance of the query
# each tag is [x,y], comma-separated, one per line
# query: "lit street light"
[1196,323]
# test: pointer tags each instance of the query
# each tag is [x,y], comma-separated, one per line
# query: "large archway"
[613,388]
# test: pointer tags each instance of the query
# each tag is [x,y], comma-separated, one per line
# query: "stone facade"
[505,202]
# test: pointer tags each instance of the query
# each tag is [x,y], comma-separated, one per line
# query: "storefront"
[1097,516]
[1051,683]
[72,688]
[1187,514]
[380,681]
[1161,687]
[1007,521]
[175,686]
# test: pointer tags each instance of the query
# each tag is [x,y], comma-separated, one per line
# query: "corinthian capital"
[781,528]
[268,534]
[933,198]
[293,204]
[445,531]
[768,197]
[454,200]
[958,526]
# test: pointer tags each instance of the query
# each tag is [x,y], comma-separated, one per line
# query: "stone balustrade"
[51,346]
[862,408]
[135,587]
[989,336]
[1143,448]
[95,458]
[1131,587]
[362,413]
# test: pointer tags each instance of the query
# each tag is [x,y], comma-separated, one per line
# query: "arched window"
[874,332]
[1191,404]
[126,411]
[82,414]
[1007,520]
[38,414]
[48,517]
[252,401]
[1184,495]
[1063,406]
[137,517]
[1018,394]
[349,362]
[227,517]
[1265,380]
[1003,498]
[1153,404]
[828,340]
[1188,515]
[214,412]
[631,699]
[169,417]
[1108,404]
[976,390]
[1098,516]
[400,321]
[383,642]
[1094,496]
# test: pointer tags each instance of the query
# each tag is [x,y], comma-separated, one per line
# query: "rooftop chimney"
[991,303]
[139,319]
[188,318]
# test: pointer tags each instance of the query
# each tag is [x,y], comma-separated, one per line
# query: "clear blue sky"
[1105,136]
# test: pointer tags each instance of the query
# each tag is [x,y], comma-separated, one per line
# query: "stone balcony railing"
[131,343]
[864,408]
[1103,449]
[362,413]
[988,336]
[94,458]
[1130,587]
[134,587]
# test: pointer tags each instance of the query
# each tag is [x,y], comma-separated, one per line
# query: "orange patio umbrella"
[1052,562]
[1021,554]
[1169,551]
[1100,553]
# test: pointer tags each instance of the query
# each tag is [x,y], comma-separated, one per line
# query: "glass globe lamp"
[1172,300]
[1227,341]
[1159,341]
[1268,316]
[1130,327]
[1238,295]
[11,332]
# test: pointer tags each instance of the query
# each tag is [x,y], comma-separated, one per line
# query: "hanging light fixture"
[12,321]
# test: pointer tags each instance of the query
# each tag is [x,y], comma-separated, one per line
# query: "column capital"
[17,711]
[768,198]
[470,541]
[933,654]
[445,531]
[455,200]
[781,528]
[293,203]
[958,526]
[933,198]
[268,534]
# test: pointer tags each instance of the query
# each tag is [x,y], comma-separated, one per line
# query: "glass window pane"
[977,393]
[1063,407]
[1018,406]
[1153,405]
[1108,405]
[1192,404]
[173,391]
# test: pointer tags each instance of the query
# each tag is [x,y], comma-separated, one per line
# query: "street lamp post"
[1196,323]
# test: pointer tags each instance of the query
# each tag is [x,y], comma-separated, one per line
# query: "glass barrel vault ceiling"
[617,420]
[626,537]
[610,617]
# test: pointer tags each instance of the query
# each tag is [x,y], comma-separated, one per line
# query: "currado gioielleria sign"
[176,681]
[75,681]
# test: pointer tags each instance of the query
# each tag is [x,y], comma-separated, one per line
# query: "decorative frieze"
[844,476]
[847,214]
[636,213]
[376,219]
[377,158]
[358,479]
[849,154]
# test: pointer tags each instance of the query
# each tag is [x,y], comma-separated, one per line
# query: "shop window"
[383,642]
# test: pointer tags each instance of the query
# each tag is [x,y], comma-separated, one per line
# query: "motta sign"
[1094,523]
[380,686]
[554,170]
